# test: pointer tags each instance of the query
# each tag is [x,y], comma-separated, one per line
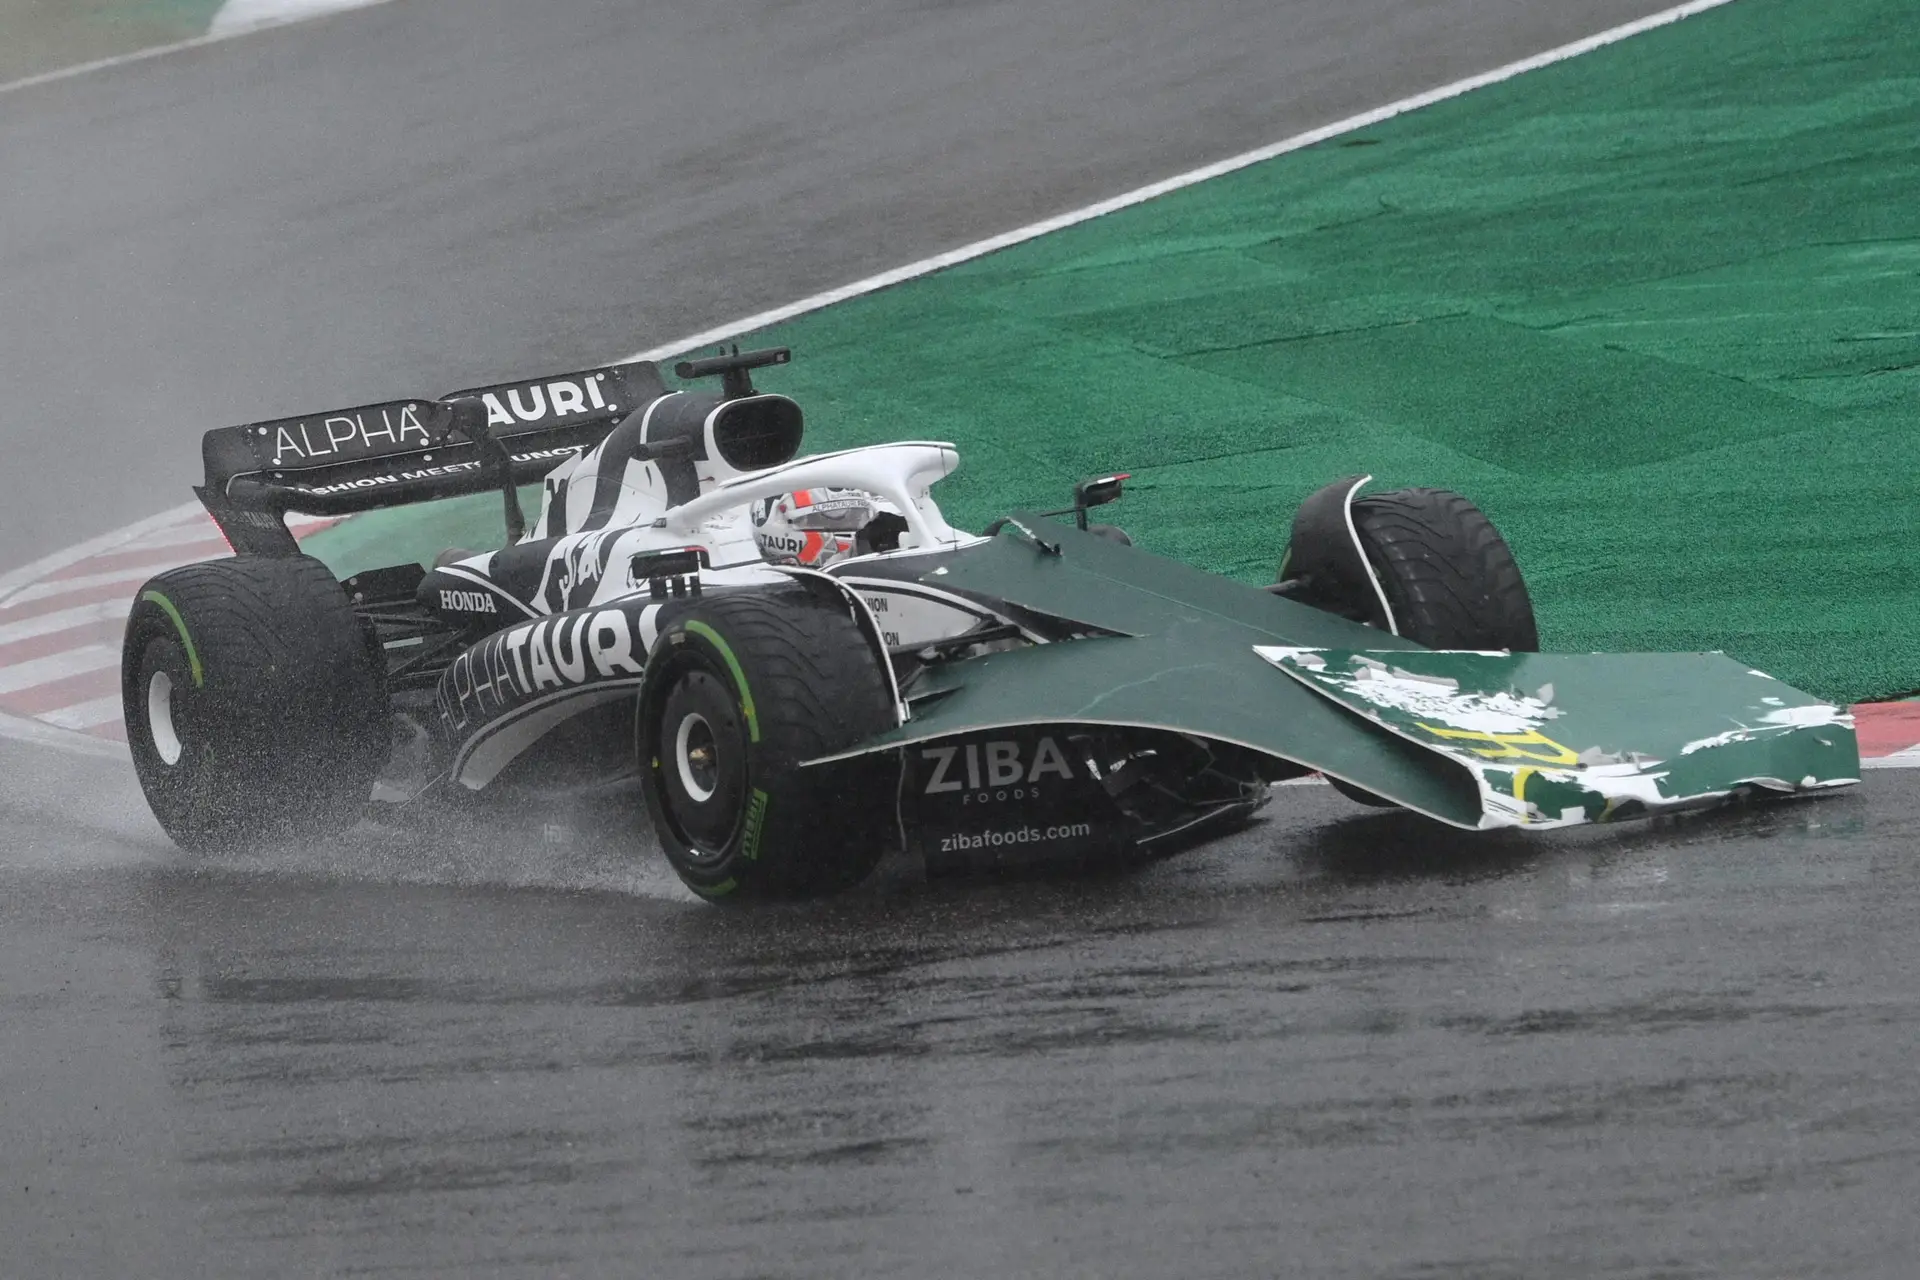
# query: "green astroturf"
[1656,309]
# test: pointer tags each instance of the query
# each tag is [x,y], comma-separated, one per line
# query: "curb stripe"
[1887,728]
[113,584]
[60,637]
[46,566]
[108,632]
[86,715]
[42,700]
[25,675]
[20,729]
[55,599]
[153,560]
[60,620]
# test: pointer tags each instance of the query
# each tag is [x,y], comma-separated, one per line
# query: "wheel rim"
[701,763]
[695,755]
[160,728]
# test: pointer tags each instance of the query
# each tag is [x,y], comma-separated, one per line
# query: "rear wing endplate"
[401,452]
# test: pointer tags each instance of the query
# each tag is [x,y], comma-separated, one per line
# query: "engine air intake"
[755,432]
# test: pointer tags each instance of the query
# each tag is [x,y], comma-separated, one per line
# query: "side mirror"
[1097,492]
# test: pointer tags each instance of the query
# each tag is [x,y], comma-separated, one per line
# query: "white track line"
[233,30]
[1140,195]
[236,16]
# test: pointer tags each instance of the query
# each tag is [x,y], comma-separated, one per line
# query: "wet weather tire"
[1448,574]
[255,709]
[740,690]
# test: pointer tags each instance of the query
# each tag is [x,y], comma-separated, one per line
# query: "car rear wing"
[406,451]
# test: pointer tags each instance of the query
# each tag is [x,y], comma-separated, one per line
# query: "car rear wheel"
[741,691]
[254,708]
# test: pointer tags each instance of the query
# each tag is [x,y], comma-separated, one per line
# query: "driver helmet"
[812,527]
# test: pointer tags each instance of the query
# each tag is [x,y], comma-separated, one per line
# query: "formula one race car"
[805,666]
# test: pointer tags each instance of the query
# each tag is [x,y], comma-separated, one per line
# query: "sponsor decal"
[961,841]
[522,662]
[535,402]
[428,473]
[791,544]
[993,772]
[468,602]
[852,502]
[999,799]
[300,442]
[882,605]
[756,825]
[576,566]
[907,618]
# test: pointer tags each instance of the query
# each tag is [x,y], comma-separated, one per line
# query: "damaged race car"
[803,666]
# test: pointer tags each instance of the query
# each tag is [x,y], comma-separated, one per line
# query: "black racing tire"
[1111,532]
[1448,574]
[740,690]
[256,712]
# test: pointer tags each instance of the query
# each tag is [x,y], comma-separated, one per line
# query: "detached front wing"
[1552,740]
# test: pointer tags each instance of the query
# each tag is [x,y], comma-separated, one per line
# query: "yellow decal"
[1531,745]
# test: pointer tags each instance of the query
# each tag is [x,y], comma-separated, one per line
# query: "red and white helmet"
[812,527]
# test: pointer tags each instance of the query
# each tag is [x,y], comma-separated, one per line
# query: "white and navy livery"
[658,506]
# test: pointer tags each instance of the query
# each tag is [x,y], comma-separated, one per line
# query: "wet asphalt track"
[1339,1044]
[1336,1044]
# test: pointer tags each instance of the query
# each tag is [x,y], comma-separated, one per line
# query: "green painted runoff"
[1656,309]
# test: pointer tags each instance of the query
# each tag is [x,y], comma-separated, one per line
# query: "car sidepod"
[501,696]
